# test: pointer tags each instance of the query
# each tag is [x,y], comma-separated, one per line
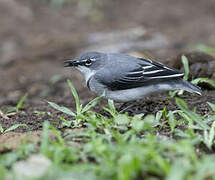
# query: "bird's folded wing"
[148,72]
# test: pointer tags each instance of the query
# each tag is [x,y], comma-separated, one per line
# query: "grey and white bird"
[125,78]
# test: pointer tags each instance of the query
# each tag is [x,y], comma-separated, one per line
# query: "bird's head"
[87,63]
[90,60]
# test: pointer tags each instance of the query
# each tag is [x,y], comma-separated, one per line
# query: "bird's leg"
[131,104]
[126,108]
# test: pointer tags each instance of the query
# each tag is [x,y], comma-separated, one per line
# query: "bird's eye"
[88,62]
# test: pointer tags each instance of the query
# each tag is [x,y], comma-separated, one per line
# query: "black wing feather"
[145,73]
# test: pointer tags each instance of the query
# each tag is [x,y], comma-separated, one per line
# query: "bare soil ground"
[36,37]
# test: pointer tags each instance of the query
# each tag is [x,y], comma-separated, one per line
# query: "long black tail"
[188,86]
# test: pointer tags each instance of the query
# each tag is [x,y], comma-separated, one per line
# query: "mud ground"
[36,37]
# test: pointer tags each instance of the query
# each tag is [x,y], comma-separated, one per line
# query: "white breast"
[87,72]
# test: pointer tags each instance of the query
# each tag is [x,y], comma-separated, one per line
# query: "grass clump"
[12,111]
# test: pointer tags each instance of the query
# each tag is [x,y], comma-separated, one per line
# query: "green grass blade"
[158,116]
[121,119]
[62,109]
[21,101]
[212,134]
[109,111]
[137,123]
[205,48]
[212,106]
[15,126]
[10,109]
[186,118]
[186,67]
[209,136]
[58,134]
[65,122]
[211,118]
[177,171]
[112,110]
[204,80]
[181,103]
[1,129]
[111,105]
[164,112]
[75,94]
[195,117]
[92,103]
[45,137]
[172,121]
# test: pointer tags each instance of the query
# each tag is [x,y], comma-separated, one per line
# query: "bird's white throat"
[87,72]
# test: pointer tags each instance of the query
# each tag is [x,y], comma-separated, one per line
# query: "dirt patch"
[156,103]
[12,140]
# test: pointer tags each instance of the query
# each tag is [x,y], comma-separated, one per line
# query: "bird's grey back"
[116,65]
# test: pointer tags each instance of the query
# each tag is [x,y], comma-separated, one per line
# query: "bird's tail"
[187,86]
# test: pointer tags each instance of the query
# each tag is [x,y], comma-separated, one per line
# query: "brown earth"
[36,37]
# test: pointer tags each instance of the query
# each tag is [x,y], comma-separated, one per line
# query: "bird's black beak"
[72,62]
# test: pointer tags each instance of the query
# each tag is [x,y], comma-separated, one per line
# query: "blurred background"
[36,36]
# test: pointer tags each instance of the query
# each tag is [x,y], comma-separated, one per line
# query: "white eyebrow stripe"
[152,72]
[173,75]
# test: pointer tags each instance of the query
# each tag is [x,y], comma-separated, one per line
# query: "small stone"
[34,167]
